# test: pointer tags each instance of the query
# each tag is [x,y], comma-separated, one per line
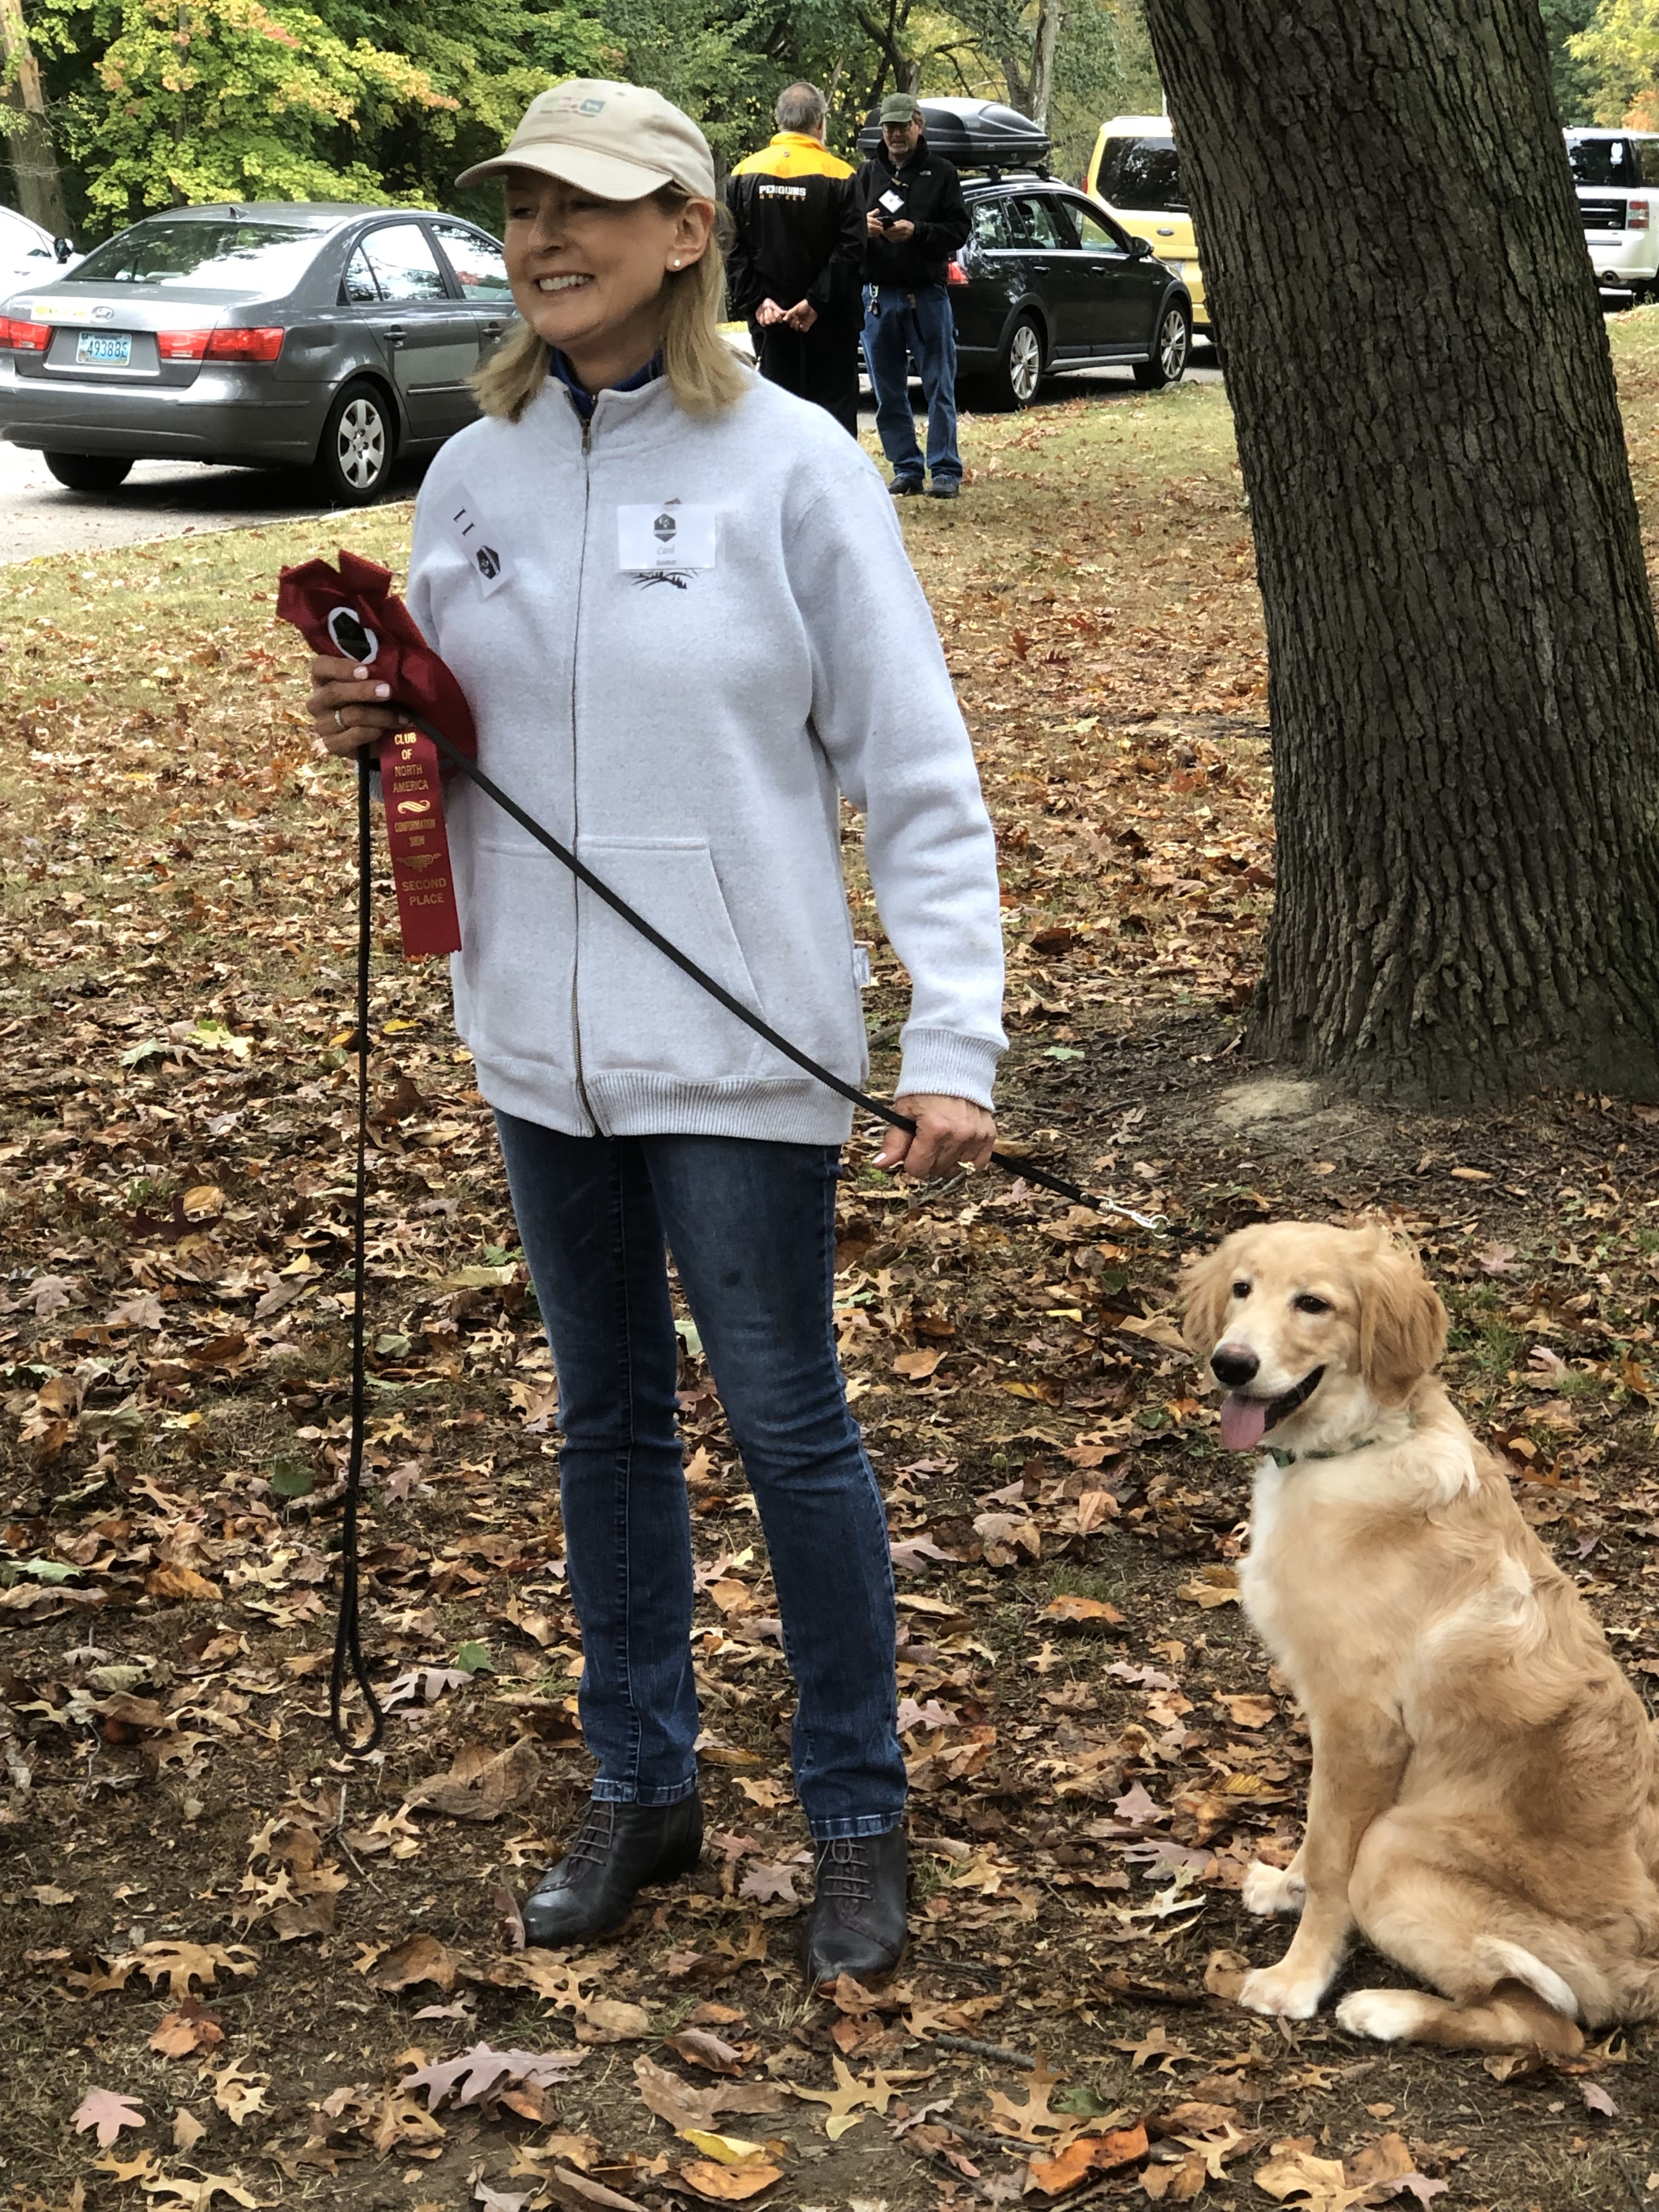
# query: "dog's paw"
[1291,1996]
[1270,1889]
[1386,2015]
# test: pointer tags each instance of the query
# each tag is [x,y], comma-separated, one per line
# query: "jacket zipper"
[575,800]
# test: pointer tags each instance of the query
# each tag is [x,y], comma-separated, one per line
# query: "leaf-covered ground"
[241,1970]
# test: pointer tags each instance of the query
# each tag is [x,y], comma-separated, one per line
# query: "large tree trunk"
[33,159]
[1464,671]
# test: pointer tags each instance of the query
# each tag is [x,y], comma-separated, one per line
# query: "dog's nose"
[1233,1364]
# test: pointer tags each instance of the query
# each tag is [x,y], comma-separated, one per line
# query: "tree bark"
[1464,675]
[33,158]
[1042,59]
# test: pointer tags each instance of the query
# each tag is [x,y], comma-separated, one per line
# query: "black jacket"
[932,193]
[797,234]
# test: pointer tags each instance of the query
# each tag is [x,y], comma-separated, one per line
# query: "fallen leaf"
[698,2047]
[728,2150]
[187,2130]
[577,2193]
[238,2094]
[917,1366]
[48,1894]
[612,2020]
[1088,2154]
[1247,1712]
[108,2112]
[1032,2119]
[476,2074]
[767,1883]
[173,2194]
[684,2106]
[180,2034]
[1316,2184]
[724,2185]
[175,1582]
[1596,2099]
[177,1965]
[481,1785]
[1081,1613]
[419,1958]
[1210,1587]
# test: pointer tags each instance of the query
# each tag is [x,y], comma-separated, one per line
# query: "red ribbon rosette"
[352,614]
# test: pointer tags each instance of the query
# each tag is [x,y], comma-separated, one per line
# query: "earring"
[675,263]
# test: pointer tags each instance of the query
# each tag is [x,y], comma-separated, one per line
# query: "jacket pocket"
[636,1011]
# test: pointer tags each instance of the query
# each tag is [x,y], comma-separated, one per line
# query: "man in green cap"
[915,221]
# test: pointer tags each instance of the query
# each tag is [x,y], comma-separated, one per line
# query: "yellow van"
[1135,173]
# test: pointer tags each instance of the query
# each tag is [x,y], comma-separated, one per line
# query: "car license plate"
[96,349]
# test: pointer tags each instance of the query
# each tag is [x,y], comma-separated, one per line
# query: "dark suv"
[1048,279]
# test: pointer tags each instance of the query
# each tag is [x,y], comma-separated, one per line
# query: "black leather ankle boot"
[857,1922]
[617,1850]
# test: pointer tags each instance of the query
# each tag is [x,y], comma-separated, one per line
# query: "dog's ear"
[1206,1291]
[1402,1324]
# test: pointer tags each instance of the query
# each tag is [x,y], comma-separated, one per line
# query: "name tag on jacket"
[667,537]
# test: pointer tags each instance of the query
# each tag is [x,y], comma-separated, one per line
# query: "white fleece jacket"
[683,639]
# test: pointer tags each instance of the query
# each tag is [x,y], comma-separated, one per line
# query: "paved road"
[173,499]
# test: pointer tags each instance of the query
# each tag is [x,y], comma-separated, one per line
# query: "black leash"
[348,1634]
[348,1649]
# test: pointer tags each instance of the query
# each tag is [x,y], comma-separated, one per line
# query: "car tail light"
[1635,215]
[182,345]
[955,273]
[237,344]
[24,338]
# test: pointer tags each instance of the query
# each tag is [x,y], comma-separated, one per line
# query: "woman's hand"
[951,1134]
[344,705]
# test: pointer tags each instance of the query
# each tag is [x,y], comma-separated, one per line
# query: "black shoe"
[905,487]
[617,1850]
[944,487]
[857,1925]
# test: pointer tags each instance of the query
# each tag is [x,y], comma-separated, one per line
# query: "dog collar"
[1280,1457]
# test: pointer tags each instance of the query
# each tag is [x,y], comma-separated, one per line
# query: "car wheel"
[1019,372]
[89,471]
[359,445]
[1171,345]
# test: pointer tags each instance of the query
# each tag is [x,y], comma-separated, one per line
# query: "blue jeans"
[895,332]
[751,1226]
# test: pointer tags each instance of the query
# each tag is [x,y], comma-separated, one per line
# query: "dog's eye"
[1241,1290]
[1308,1303]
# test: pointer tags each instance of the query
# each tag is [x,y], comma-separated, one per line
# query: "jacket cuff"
[947,1064]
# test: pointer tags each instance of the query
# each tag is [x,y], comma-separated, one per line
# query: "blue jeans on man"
[902,326]
[752,1229]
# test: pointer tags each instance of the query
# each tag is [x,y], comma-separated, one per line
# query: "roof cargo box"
[974,134]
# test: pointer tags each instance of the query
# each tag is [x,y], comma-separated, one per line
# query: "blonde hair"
[702,372]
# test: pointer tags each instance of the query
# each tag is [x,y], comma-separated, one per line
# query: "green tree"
[1564,20]
[1617,56]
[190,100]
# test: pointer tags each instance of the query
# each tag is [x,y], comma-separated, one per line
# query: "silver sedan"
[336,338]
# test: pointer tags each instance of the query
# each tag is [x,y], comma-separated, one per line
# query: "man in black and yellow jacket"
[794,265]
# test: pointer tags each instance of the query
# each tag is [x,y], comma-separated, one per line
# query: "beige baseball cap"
[617,140]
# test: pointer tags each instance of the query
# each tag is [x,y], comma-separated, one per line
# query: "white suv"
[1617,174]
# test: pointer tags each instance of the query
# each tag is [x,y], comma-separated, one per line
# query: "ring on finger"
[338,724]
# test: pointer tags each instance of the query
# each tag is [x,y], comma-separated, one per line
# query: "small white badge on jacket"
[668,537]
[480,546]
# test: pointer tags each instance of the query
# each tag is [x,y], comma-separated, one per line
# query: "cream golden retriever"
[1483,1800]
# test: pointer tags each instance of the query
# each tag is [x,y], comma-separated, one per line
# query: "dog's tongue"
[1243,1421]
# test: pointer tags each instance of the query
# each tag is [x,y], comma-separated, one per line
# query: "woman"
[696,626]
